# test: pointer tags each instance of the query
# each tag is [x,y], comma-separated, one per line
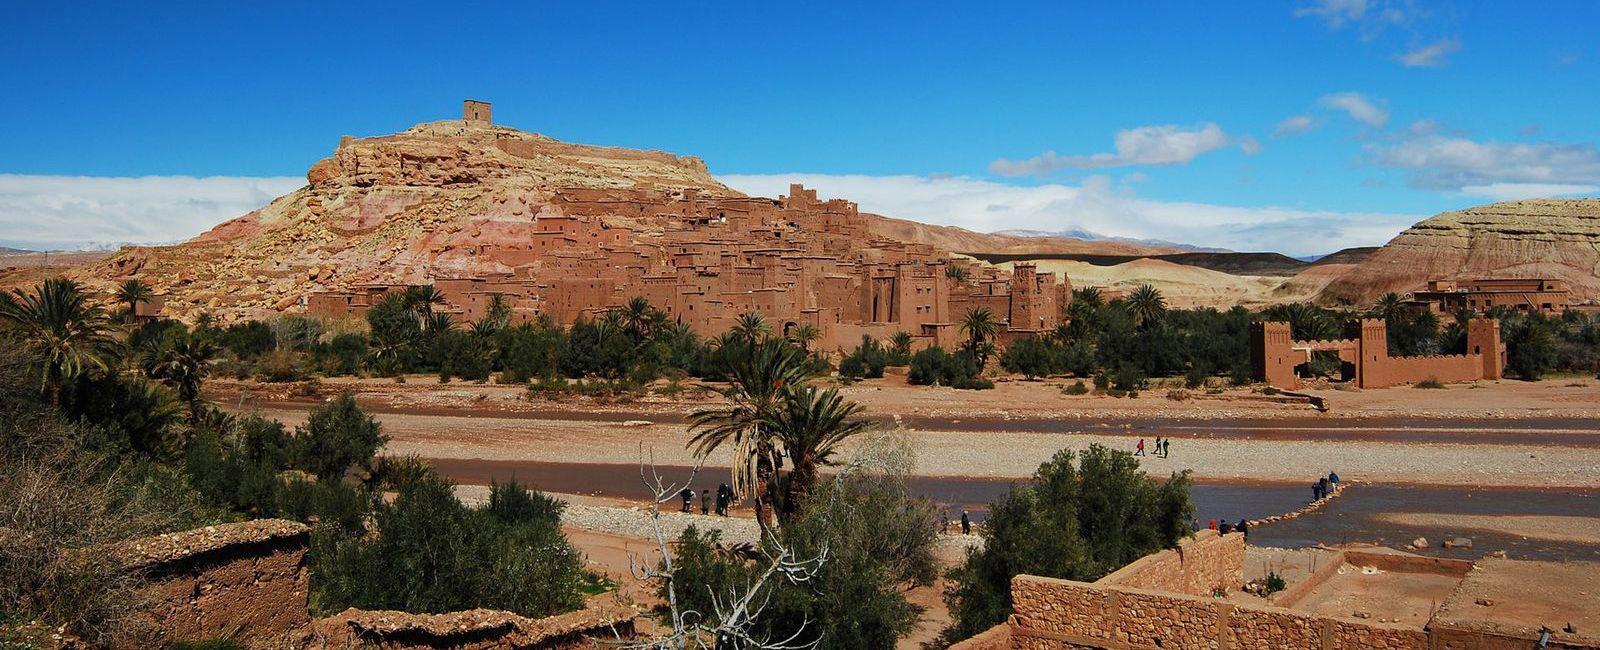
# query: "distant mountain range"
[1089,235]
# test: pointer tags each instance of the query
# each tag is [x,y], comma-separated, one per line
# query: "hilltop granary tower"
[473,110]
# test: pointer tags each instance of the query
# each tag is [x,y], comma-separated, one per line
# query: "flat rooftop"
[1518,597]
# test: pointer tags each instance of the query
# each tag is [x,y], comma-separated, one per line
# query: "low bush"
[934,366]
[430,553]
[1077,388]
[280,366]
[1431,382]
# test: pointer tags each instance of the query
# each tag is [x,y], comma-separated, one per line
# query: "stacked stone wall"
[478,629]
[1054,613]
[1199,566]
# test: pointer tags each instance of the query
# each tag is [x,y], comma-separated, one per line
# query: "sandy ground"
[1582,530]
[974,453]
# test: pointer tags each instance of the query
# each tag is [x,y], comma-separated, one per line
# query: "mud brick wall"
[1199,566]
[477,629]
[246,581]
[994,638]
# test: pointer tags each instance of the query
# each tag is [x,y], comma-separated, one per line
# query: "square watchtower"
[473,110]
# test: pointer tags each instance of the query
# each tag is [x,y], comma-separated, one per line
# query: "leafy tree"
[934,366]
[867,360]
[879,541]
[395,333]
[1031,357]
[249,339]
[1080,518]
[65,335]
[1530,347]
[527,351]
[337,436]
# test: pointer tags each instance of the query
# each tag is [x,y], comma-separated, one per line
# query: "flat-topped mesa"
[1549,239]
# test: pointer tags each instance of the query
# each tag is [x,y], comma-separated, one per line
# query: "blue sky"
[1296,126]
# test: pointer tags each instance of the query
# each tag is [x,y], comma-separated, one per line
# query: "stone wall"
[247,581]
[478,629]
[1054,613]
[1199,566]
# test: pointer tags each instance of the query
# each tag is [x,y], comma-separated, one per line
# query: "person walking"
[722,499]
[966,523]
[1333,477]
[1166,447]
[1157,450]
[1316,490]
[688,498]
[1140,450]
[705,502]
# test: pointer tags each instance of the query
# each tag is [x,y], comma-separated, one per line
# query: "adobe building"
[1277,358]
[1191,597]
[795,260]
[1478,296]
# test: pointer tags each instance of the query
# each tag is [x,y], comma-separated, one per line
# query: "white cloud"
[1249,145]
[1371,16]
[1454,163]
[68,212]
[1165,144]
[1357,106]
[1515,191]
[1294,125]
[1432,55]
[1334,13]
[1098,205]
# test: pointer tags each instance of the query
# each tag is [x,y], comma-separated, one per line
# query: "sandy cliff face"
[1540,238]
[391,209]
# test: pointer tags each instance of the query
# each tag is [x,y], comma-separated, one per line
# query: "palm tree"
[498,314]
[1146,305]
[809,428]
[751,327]
[957,273]
[422,298]
[980,326]
[132,292]
[759,373]
[900,345]
[58,327]
[1388,306]
[182,364]
[642,319]
[803,335]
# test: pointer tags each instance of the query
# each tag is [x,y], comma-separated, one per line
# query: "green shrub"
[1077,388]
[430,553]
[1275,582]
[280,366]
[866,361]
[1080,518]
[337,436]
[1031,357]
[934,366]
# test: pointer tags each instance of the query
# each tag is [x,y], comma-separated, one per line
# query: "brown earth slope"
[1538,238]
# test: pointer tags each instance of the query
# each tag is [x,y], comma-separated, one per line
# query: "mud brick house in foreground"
[1352,598]
[1364,355]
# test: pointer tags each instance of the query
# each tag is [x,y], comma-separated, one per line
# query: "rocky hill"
[423,203]
[1540,238]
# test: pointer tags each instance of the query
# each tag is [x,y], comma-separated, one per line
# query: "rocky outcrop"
[393,209]
[1539,238]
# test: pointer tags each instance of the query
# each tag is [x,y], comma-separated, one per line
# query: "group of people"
[966,522]
[1162,448]
[724,500]
[1243,527]
[1325,486]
